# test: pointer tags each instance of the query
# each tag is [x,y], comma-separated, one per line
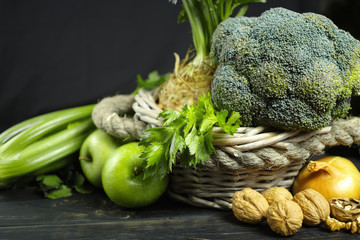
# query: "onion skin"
[332,176]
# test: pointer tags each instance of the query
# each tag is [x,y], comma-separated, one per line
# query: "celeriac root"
[187,83]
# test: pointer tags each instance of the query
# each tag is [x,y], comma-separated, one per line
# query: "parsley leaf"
[63,183]
[186,136]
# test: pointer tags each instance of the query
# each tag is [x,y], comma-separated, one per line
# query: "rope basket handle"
[110,115]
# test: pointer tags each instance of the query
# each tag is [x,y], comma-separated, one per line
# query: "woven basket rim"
[244,139]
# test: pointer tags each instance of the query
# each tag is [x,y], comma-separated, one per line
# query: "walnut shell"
[345,209]
[314,206]
[249,206]
[285,217]
[355,226]
[277,193]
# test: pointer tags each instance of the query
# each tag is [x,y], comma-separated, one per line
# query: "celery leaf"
[153,81]
[185,136]
[228,124]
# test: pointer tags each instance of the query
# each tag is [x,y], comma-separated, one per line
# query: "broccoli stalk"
[192,78]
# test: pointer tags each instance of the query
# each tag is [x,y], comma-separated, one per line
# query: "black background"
[56,54]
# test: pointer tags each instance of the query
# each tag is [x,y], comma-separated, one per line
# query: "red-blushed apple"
[94,151]
[123,178]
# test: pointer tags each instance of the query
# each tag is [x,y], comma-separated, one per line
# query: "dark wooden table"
[26,214]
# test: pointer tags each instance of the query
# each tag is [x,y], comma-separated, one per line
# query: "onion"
[332,176]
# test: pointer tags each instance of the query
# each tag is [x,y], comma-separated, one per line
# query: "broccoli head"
[285,69]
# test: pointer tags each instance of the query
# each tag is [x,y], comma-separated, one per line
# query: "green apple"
[123,178]
[94,151]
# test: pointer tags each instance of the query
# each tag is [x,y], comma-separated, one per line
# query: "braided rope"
[110,116]
[345,132]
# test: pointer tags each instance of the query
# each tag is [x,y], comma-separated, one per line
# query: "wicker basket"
[258,158]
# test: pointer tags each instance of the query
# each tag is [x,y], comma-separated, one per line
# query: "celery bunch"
[43,143]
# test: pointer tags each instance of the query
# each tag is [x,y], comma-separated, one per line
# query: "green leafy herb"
[53,186]
[50,180]
[153,81]
[185,135]
[61,192]
[63,183]
[228,124]
[81,185]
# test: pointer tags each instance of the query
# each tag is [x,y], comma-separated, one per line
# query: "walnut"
[355,226]
[336,225]
[277,193]
[249,206]
[345,209]
[285,217]
[314,206]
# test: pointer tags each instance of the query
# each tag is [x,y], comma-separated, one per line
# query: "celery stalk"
[41,141]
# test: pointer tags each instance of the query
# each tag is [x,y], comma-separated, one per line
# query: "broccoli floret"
[285,69]
[232,85]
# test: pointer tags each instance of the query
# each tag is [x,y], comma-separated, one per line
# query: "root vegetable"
[332,176]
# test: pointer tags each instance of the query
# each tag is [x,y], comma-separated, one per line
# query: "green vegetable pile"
[283,69]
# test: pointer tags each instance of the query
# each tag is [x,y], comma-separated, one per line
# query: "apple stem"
[85,158]
[137,171]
